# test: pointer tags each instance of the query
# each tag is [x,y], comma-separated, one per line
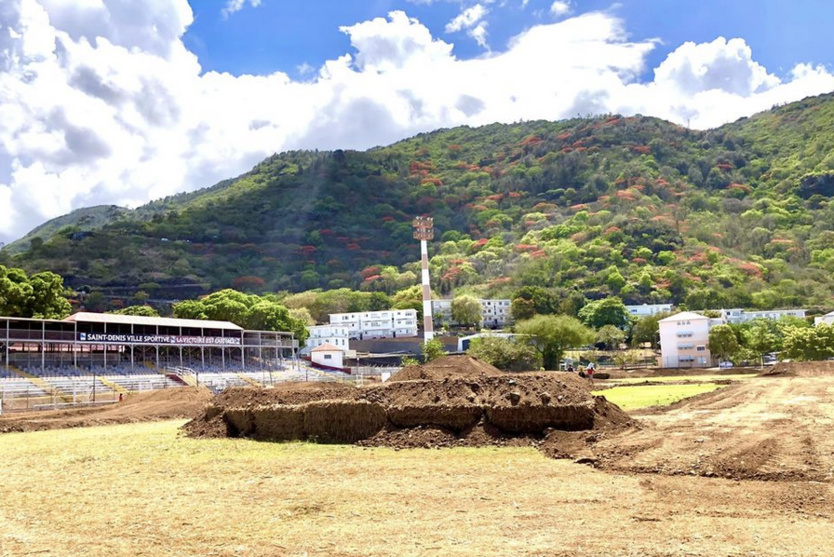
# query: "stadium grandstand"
[95,357]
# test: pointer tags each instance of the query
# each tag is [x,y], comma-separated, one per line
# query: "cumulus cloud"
[233,6]
[103,105]
[559,8]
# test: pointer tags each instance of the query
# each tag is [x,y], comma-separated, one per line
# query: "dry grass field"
[145,489]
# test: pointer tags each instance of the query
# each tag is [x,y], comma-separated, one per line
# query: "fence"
[30,400]
[82,393]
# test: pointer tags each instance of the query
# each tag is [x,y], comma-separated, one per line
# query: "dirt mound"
[166,404]
[446,367]
[225,415]
[800,369]
[463,409]
[286,393]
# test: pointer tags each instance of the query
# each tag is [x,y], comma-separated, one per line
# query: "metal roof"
[683,316]
[86,317]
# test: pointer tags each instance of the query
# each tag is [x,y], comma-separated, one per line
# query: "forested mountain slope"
[637,207]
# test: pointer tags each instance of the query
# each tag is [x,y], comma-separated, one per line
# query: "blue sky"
[281,35]
[125,101]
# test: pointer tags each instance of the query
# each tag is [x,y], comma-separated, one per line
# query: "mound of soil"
[286,393]
[446,367]
[166,404]
[799,369]
[467,404]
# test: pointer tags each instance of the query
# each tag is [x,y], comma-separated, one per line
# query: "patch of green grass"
[633,398]
[684,379]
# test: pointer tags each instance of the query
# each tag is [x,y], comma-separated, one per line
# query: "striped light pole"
[424,231]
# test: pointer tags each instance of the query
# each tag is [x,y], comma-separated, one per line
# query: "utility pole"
[424,231]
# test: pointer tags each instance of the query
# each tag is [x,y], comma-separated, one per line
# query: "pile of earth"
[166,404]
[453,401]
[447,367]
[800,369]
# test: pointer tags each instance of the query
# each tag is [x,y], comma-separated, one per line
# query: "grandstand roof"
[86,317]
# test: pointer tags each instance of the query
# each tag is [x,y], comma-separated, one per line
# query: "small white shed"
[328,355]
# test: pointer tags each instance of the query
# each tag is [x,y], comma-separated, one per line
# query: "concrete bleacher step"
[249,380]
[43,385]
[113,386]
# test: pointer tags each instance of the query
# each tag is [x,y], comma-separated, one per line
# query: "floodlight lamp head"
[423,228]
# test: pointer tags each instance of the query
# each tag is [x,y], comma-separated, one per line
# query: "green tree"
[432,350]
[610,337]
[249,311]
[610,311]
[552,335]
[467,310]
[647,329]
[507,354]
[723,342]
[533,300]
[141,311]
[762,336]
[304,315]
[41,296]
[809,343]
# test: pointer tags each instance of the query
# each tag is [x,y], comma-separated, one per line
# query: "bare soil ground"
[452,401]
[774,427]
[142,489]
[747,470]
[165,404]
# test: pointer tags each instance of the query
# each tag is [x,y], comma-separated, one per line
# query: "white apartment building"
[827,319]
[335,335]
[645,310]
[494,313]
[684,340]
[684,337]
[391,323]
[742,315]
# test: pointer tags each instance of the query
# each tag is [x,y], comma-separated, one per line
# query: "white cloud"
[101,109]
[467,19]
[472,20]
[233,6]
[559,8]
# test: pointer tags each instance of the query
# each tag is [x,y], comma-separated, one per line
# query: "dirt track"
[166,404]
[767,428]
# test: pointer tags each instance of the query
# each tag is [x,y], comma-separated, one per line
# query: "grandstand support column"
[43,348]
[8,334]
[424,231]
[157,349]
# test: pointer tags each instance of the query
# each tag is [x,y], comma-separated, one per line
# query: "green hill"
[632,206]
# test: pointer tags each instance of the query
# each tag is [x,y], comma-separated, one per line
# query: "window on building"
[701,348]
[328,357]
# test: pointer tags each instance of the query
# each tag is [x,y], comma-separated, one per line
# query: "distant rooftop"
[87,317]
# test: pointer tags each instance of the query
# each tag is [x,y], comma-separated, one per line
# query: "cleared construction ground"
[453,401]
[745,470]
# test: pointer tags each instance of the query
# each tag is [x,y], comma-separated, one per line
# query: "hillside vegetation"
[629,206]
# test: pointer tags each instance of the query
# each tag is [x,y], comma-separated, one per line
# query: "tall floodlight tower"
[424,231]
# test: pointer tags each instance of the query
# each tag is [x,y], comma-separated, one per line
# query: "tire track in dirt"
[768,428]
